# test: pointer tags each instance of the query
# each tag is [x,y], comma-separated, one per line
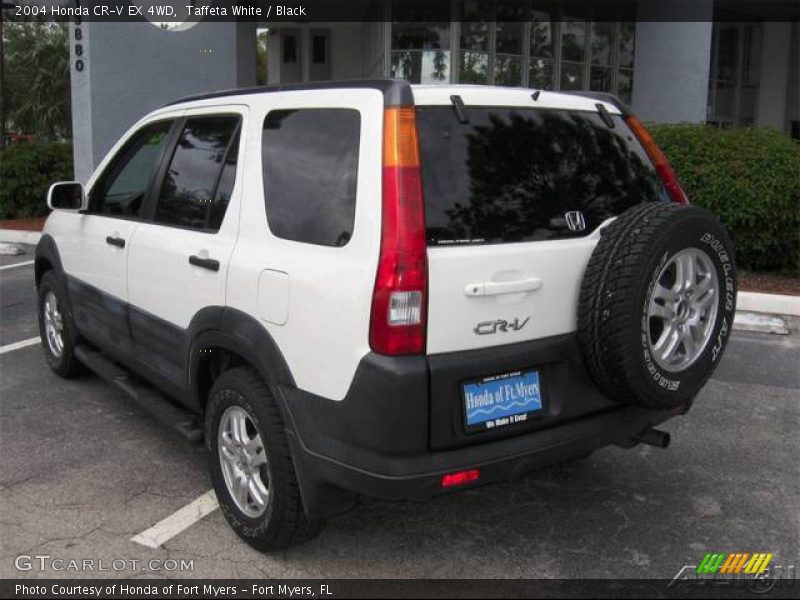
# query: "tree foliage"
[37,82]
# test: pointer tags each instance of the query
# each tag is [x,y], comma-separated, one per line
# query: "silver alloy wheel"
[53,325]
[243,459]
[682,309]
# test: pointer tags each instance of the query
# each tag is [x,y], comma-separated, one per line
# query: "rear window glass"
[514,174]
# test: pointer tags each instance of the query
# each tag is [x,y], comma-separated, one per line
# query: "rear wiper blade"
[458,106]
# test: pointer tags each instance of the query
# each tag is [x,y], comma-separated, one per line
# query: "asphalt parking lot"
[83,471]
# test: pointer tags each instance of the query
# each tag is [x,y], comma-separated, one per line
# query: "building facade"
[731,72]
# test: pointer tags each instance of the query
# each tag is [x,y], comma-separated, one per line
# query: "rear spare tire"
[657,304]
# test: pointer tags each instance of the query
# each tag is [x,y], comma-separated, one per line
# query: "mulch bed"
[769,283]
[24,224]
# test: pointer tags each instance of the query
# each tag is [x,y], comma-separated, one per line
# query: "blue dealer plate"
[501,400]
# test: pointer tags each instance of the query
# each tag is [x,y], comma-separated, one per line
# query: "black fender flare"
[46,250]
[241,334]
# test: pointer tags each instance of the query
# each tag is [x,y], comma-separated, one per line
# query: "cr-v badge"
[491,327]
[575,220]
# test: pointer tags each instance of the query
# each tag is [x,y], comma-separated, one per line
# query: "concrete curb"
[774,304]
[18,236]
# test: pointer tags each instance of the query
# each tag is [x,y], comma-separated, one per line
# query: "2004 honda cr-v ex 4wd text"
[373,288]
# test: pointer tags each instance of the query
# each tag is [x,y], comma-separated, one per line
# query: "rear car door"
[179,254]
[94,248]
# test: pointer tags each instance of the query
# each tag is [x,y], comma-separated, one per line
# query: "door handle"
[115,241]
[497,288]
[204,263]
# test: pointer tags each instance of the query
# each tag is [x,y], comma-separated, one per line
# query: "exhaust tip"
[654,437]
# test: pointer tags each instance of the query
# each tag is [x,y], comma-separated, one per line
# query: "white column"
[671,67]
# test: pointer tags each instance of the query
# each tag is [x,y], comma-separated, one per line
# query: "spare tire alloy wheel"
[682,309]
[657,304]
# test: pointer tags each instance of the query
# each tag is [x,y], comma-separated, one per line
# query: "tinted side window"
[310,162]
[121,191]
[187,195]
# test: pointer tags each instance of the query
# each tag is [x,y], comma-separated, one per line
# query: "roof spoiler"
[606,97]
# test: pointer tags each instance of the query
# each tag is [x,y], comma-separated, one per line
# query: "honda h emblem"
[575,220]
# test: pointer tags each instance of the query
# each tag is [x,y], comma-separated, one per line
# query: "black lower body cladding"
[657,304]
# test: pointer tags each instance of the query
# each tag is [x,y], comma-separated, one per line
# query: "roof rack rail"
[396,92]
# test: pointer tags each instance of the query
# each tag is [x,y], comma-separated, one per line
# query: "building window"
[289,48]
[420,46]
[514,43]
[734,74]
[475,41]
[542,53]
[319,46]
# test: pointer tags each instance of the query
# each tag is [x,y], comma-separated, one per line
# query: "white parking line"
[178,521]
[19,264]
[18,345]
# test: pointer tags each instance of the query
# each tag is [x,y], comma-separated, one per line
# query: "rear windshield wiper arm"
[458,106]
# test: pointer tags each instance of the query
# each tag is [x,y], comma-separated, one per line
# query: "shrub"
[750,179]
[26,172]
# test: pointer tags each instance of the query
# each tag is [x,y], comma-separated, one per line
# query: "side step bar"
[144,395]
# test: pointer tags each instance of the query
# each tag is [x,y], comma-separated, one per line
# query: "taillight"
[461,478]
[401,286]
[663,168]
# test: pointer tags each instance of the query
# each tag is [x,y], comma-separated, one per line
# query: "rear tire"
[657,304]
[251,464]
[58,333]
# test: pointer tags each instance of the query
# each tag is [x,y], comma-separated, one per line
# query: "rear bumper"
[398,431]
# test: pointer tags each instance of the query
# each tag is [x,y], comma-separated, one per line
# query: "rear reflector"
[460,478]
[663,168]
[397,324]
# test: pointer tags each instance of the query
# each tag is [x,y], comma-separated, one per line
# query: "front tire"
[251,464]
[56,328]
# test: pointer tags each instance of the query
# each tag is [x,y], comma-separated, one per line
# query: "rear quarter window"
[512,174]
[310,166]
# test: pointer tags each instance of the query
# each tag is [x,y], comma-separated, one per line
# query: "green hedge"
[750,179]
[26,172]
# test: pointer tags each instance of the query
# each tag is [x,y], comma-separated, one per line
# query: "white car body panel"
[315,301]
[326,329]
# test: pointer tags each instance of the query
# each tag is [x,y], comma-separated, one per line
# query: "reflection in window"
[187,194]
[509,175]
[420,46]
[509,31]
[474,42]
[514,43]
[540,74]
[310,167]
[573,40]
[122,188]
[572,76]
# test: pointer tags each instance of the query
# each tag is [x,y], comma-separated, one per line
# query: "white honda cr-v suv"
[375,288]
